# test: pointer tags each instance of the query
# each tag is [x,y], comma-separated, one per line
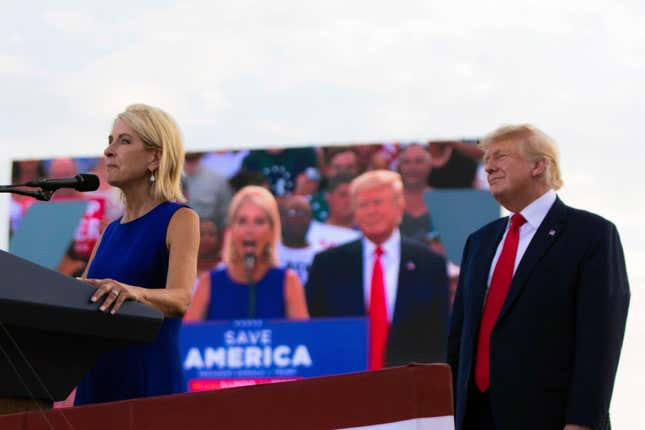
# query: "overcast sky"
[255,73]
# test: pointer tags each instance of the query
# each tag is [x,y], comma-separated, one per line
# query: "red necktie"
[379,325]
[499,285]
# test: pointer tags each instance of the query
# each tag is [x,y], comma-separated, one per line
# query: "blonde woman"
[149,255]
[250,285]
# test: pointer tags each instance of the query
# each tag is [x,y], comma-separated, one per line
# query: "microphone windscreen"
[249,261]
[87,182]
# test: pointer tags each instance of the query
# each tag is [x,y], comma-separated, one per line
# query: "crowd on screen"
[311,186]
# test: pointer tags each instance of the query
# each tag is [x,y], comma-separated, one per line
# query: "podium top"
[36,297]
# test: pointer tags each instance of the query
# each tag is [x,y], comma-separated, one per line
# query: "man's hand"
[576,427]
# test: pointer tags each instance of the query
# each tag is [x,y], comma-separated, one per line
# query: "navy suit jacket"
[555,346]
[419,327]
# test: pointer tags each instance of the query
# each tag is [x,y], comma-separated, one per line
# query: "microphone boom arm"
[42,195]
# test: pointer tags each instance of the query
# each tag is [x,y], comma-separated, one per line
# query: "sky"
[260,74]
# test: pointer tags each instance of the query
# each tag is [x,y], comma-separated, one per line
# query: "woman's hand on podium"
[115,293]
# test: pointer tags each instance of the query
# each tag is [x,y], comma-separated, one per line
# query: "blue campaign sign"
[263,351]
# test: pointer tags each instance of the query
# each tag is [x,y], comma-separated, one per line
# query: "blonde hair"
[377,179]
[534,145]
[262,198]
[158,131]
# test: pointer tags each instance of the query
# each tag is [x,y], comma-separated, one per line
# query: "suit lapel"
[405,278]
[544,238]
[354,275]
[484,259]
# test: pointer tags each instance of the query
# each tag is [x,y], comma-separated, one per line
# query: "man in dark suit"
[540,311]
[398,283]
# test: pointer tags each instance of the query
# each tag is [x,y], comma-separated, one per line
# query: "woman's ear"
[153,166]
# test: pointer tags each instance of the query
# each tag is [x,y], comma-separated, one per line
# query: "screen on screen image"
[445,193]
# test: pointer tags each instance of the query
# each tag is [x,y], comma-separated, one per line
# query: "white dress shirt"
[390,261]
[534,214]
[323,236]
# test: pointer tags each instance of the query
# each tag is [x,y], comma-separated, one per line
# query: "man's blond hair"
[377,179]
[534,145]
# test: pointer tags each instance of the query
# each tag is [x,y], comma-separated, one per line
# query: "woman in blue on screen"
[249,253]
[149,255]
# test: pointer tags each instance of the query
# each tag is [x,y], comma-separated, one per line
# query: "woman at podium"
[149,255]
[250,285]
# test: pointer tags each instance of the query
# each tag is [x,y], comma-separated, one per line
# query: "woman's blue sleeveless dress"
[135,253]
[230,299]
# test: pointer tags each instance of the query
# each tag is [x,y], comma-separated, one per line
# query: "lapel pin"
[410,265]
[552,232]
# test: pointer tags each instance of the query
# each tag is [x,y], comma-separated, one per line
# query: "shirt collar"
[537,210]
[391,246]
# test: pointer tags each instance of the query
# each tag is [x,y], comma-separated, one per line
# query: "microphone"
[80,182]
[249,263]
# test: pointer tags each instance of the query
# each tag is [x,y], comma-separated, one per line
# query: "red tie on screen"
[499,285]
[379,325]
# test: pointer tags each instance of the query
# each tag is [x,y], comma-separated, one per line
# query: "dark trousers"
[479,415]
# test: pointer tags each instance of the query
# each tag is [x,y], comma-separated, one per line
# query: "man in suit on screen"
[540,310]
[398,283]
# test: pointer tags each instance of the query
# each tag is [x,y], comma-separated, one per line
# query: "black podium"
[51,334]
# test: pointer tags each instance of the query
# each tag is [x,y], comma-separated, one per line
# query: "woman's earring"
[152,177]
